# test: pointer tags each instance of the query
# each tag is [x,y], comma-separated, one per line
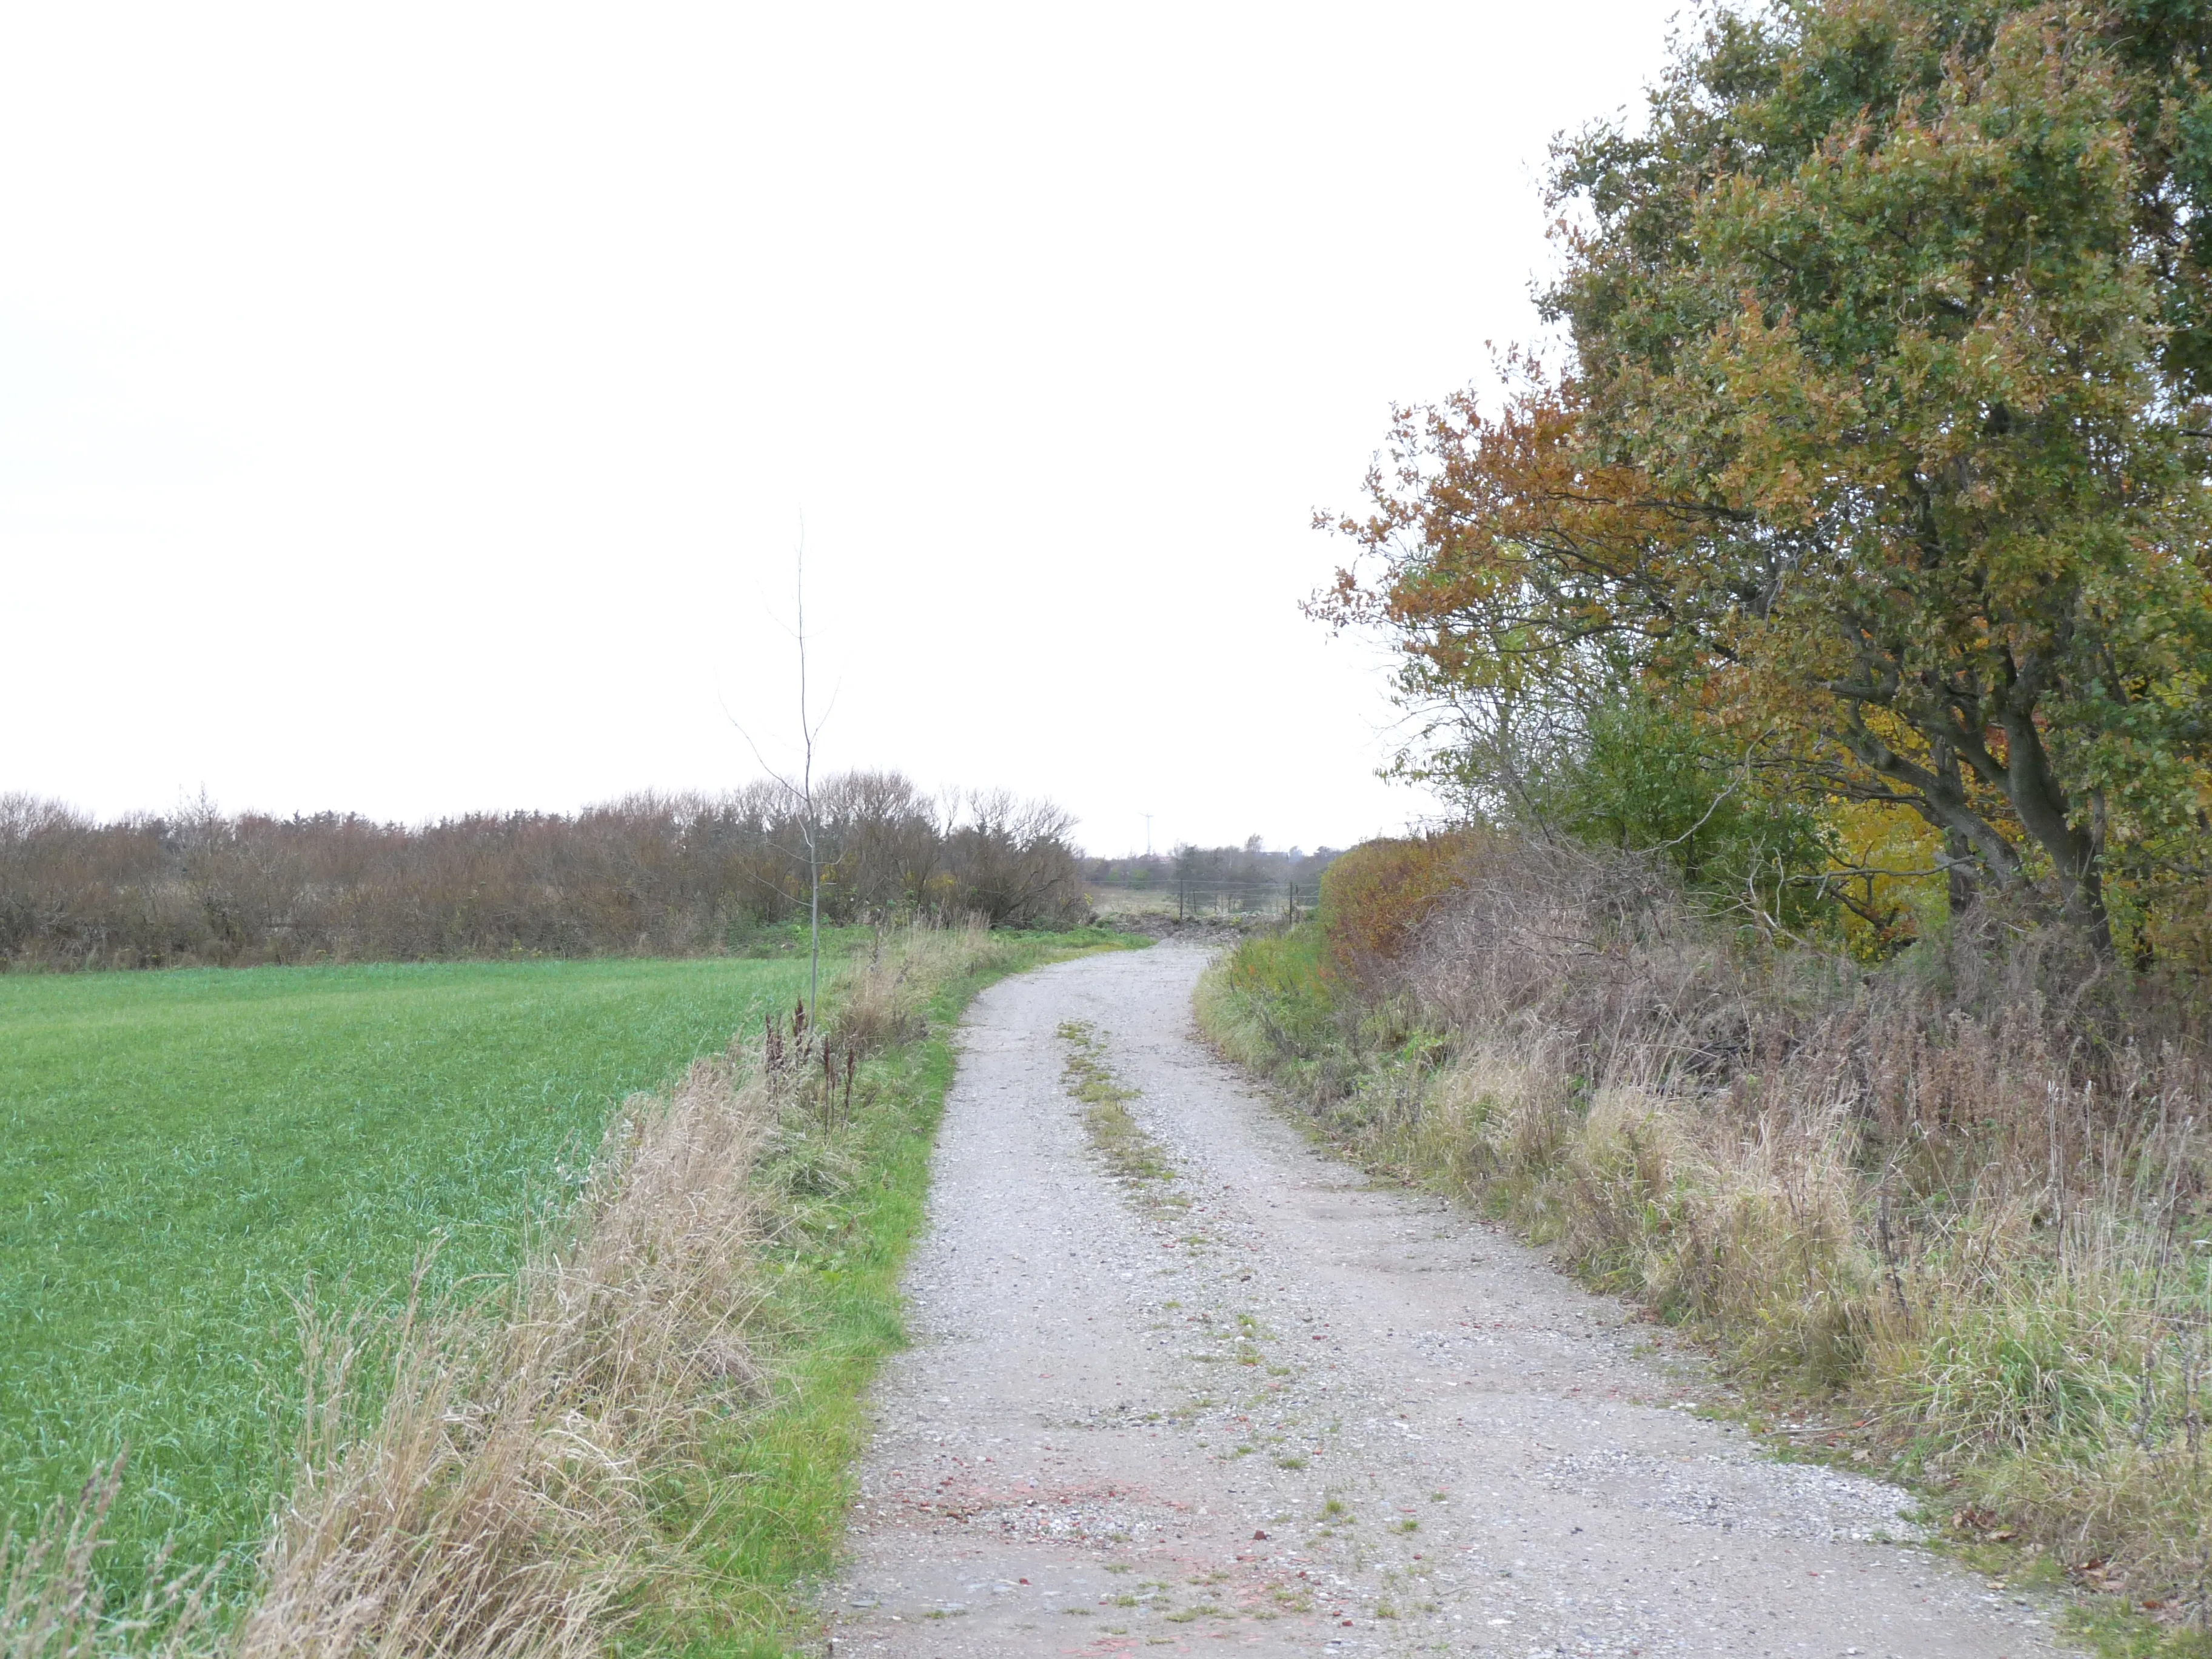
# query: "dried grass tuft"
[51,1607]
[498,1503]
[883,1000]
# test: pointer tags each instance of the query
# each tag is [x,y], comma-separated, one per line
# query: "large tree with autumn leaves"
[1881,454]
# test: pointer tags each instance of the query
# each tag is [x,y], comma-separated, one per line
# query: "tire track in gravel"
[1309,1415]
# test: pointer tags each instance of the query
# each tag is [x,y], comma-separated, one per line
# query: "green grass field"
[182,1155]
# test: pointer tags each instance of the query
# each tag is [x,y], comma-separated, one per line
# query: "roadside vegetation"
[563,1379]
[1958,1227]
[648,876]
[1814,660]
[844,1206]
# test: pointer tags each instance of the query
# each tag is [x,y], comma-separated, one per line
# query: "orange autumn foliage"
[1374,897]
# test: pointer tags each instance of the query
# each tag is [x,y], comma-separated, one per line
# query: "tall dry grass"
[881,999]
[501,1502]
[50,1602]
[1965,1194]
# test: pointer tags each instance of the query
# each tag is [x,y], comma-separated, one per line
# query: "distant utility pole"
[1147,818]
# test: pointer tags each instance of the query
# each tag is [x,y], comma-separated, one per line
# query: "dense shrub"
[1646,778]
[1374,897]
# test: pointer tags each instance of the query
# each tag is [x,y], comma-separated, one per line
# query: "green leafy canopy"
[1884,445]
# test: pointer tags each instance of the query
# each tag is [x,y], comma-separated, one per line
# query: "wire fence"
[1202,894]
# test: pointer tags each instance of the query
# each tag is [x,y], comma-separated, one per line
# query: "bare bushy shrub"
[1008,861]
[648,874]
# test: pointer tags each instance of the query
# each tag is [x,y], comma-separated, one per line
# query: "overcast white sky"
[414,409]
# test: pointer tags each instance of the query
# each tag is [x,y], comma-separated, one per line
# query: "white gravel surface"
[1309,1414]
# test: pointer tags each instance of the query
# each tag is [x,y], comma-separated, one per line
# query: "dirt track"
[1309,1415]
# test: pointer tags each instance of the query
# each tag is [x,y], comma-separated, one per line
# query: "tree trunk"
[2075,854]
[1937,792]
[1959,883]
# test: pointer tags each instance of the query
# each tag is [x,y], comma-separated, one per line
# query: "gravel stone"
[1310,1414]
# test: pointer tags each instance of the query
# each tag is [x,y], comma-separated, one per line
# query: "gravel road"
[1307,1414]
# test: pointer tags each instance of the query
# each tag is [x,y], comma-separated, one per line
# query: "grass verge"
[842,1194]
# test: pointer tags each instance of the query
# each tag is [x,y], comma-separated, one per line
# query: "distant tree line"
[1239,880]
[648,874]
